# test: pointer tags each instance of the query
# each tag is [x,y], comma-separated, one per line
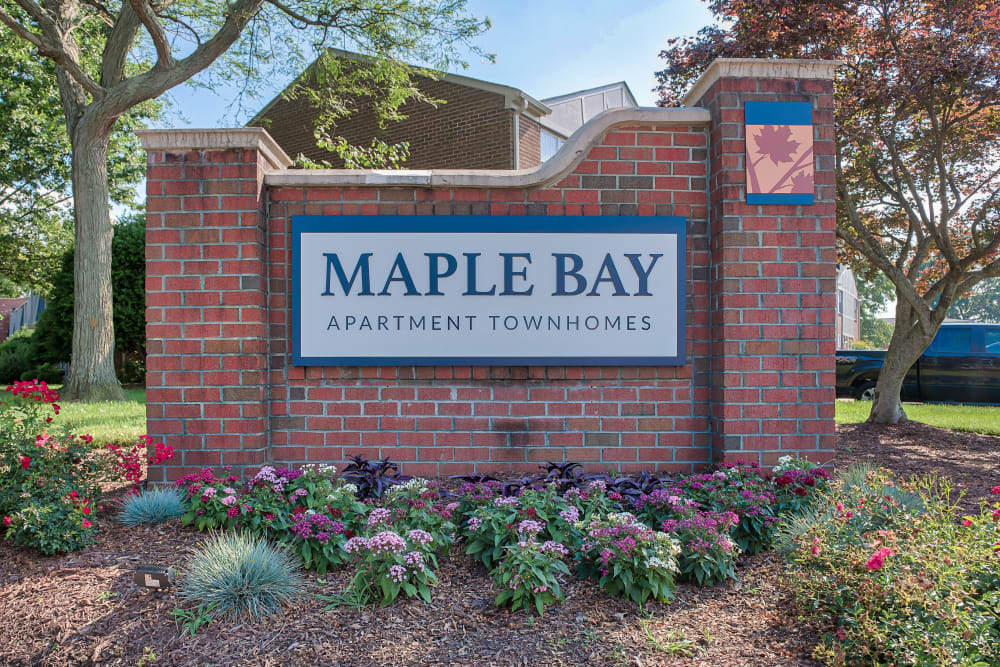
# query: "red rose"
[86,524]
[966,523]
[25,462]
[996,490]
[86,511]
[6,521]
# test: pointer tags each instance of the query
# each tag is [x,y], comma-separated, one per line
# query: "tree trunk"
[907,344]
[91,375]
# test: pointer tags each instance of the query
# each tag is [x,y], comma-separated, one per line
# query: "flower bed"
[633,536]
[50,483]
[894,573]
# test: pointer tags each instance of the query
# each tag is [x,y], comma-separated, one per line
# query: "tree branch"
[117,47]
[863,242]
[102,10]
[164,57]
[156,81]
[53,50]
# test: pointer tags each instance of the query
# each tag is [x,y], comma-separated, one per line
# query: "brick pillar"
[206,289]
[773,278]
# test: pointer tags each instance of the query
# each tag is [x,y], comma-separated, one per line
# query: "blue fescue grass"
[237,575]
[152,506]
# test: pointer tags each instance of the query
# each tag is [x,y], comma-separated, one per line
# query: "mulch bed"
[83,609]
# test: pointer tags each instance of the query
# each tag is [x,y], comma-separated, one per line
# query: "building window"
[550,144]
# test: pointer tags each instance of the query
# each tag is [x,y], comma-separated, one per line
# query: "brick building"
[474,129]
[7,307]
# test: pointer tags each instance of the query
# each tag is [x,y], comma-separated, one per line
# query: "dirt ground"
[83,609]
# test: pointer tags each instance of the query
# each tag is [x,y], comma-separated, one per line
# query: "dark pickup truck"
[962,365]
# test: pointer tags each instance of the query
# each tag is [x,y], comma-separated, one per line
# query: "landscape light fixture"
[154,577]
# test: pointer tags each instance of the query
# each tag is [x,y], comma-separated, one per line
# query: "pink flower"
[85,510]
[86,524]
[878,558]
[232,512]
[966,523]
[841,635]
[6,521]
[996,490]
[996,515]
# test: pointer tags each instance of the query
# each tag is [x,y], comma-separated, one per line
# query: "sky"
[543,47]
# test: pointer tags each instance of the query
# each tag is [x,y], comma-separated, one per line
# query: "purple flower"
[387,541]
[530,527]
[554,548]
[397,573]
[379,515]
[356,544]
[420,537]
[414,559]
[318,526]
[475,523]
[228,501]
[570,515]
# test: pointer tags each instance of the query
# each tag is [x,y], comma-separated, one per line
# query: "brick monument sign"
[252,358]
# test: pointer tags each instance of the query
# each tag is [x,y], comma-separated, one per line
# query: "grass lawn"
[123,423]
[970,418]
[108,421]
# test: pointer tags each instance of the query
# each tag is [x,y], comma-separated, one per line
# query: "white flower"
[785,463]
[623,519]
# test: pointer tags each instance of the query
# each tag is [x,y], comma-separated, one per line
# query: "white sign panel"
[471,290]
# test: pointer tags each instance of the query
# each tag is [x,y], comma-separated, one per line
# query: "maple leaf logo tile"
[779,159]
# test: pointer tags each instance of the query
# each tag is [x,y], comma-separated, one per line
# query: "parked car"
[961,365]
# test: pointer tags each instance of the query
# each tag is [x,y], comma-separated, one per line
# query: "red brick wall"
[447,420]
[773,289]
[206,306]
[760,312]
[433,420]
[471,130]
[529,142]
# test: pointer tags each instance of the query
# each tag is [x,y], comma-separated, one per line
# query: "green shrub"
[16,357]
[46,372]
[48,482]
[152,506]
[895,575]
[128,284]
[237,575]
[52,525]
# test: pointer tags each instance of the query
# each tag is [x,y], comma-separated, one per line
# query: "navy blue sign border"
[478,224]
